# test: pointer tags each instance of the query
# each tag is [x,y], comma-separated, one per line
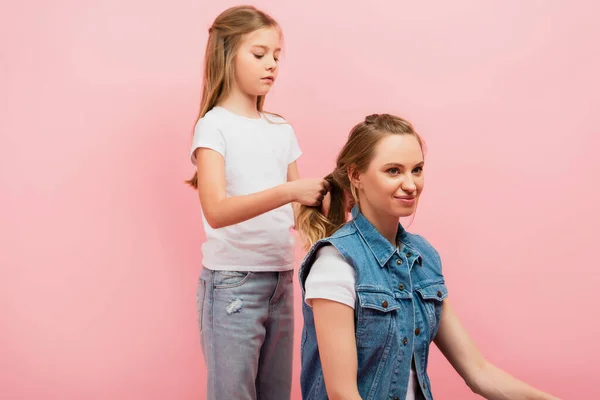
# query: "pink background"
[100,238]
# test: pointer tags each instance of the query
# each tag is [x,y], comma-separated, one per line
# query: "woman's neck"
[241,103]
[385,224]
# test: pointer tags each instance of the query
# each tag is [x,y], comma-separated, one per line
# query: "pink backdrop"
[100,239]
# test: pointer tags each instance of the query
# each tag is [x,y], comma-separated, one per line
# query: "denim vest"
[399,296]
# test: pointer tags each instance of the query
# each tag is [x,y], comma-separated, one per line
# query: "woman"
[374,294]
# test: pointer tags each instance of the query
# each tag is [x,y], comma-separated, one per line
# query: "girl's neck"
[241,103]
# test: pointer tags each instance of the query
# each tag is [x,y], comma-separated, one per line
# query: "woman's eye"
[393,171]
[418,170]
[259,56]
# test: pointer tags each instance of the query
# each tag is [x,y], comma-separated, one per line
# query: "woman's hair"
[224,38]
[355,156]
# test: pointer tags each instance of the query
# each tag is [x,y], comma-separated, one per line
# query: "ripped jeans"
[246,322]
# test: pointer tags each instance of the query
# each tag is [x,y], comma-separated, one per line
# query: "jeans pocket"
[230,279]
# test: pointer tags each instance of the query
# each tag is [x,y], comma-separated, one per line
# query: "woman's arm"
[221,211]
[482,377]
[334,324]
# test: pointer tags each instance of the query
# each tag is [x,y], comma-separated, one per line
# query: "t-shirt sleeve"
[207,135]
[295,151]
[330,278]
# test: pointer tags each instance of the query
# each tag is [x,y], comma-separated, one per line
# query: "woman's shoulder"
[346,230]
[343,239]
[419,242]
[328,253]
[329,245]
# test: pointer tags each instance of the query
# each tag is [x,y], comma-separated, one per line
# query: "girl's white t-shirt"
[332,278]
[257,153]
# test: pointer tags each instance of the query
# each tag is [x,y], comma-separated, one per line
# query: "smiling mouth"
[406,201]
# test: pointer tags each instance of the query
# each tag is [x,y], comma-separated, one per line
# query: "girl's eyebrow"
[265,47]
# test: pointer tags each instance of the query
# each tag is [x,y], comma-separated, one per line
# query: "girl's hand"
[309,192]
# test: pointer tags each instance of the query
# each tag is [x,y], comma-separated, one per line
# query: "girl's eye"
[418,170]
[393,171]
[259,56]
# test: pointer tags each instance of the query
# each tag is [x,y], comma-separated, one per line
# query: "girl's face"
[256,61]
[392,184]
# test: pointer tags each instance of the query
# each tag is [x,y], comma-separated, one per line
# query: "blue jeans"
[246,322]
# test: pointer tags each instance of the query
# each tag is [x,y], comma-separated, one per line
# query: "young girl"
[374,294]
[246,179]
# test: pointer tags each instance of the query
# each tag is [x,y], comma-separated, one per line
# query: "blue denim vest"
[399,296]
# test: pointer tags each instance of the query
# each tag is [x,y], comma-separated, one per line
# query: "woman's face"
[393,181]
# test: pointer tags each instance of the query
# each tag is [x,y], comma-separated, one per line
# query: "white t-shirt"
[332,278]
[257,152]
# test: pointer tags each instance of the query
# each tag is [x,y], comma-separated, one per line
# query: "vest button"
[384,304]
[439,293]
[404,341]
[401,286]
[417,331]
[396,398]
[409,254]
[398,261]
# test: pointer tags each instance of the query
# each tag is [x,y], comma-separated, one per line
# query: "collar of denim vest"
[381,247]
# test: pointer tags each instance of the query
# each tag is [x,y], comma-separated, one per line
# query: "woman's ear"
[355,177]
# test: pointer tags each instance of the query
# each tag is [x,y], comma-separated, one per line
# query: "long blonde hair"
[355,156]
[224,38]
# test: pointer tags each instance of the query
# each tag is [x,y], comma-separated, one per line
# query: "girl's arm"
[221,211]
[293,175]
[482,377]
[334,324]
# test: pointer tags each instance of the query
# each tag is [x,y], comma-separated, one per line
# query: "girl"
[374,294]
[246,179]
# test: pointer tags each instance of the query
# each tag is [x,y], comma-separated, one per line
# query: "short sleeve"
[331,278]
[207,135]
[295,151]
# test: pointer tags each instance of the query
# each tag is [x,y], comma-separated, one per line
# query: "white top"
[257,152]
[332,278]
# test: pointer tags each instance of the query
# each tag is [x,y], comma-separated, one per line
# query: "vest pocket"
[432,297]
[374,318]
